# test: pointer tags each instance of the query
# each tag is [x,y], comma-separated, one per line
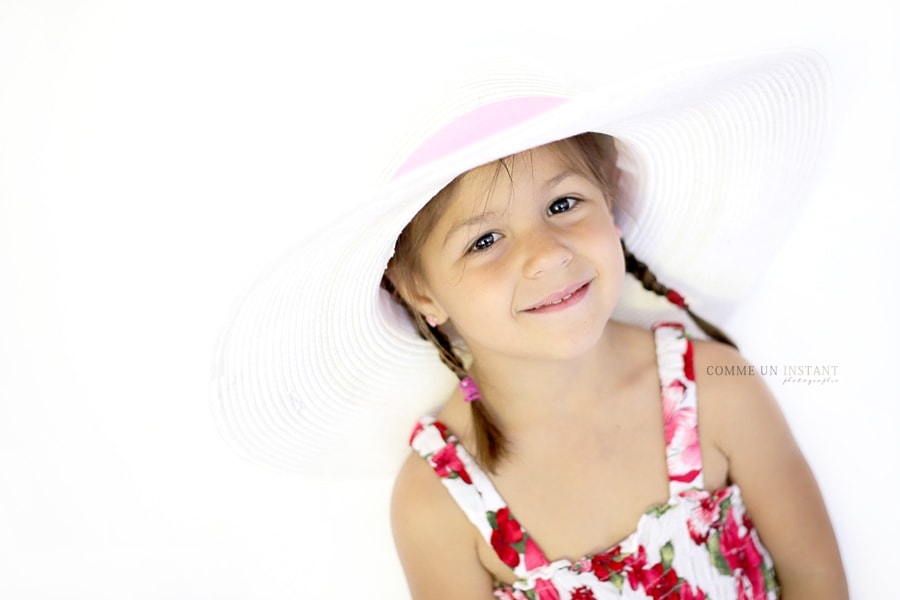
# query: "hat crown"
[476,125]
[471,104]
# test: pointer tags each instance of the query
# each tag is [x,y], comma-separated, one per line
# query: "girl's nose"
[544,254]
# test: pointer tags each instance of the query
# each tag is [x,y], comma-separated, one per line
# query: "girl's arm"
[778,486]
[435,541]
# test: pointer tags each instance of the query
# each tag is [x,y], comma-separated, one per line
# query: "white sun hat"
[319,372]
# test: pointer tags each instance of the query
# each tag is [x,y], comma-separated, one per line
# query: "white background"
[155,155]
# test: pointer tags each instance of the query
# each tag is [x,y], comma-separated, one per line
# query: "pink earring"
[618,231]
[470,390]
[432,321]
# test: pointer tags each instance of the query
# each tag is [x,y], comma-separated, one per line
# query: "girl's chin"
[571,345]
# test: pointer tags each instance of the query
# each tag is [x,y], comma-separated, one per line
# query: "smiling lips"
[561,300]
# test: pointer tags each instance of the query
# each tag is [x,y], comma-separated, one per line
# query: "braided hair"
[643,274]
[490,443]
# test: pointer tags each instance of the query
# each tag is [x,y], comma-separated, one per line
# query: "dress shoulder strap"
[476,495]
[675,362]
[460,474]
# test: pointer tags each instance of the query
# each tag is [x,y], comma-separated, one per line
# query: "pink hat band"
[477,125]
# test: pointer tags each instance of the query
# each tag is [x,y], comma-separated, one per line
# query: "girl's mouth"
[561,300]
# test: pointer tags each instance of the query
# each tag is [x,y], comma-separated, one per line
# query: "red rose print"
[604,565]
[742,556]
[415,432]
[533,556]
[445,433]
[685,592]
[508,532]
[658,582]
[705,515]
[545,590]
[681,434]
[447,463]
[635,564]
[689,361]
[582,593]
[672,395]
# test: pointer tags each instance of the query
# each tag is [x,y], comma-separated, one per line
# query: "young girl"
[578,457]
[581,457]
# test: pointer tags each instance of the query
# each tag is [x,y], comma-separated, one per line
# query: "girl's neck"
[521,391]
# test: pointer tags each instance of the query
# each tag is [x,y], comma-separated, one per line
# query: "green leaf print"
[617,580]
[724,507]
[715,554]
[659,510]
[666,554]
[769,576]
[492,519]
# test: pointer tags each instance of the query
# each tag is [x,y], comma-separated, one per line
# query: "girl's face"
[524,261]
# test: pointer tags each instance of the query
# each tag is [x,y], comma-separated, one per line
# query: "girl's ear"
[417,297]
[425,304]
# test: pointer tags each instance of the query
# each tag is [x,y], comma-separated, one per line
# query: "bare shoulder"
[435,541]
[725,368]
[740,414]
[418,493]
[763,458]
[744,416]
[731,392]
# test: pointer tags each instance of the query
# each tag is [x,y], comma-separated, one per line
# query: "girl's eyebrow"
[486,216]
[553,181]
[473,220]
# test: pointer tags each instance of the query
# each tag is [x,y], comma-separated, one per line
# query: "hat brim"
[320,373]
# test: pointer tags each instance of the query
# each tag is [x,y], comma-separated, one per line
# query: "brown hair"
[591,154]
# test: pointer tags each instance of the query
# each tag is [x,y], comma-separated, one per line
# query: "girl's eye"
[561,205]
[484,242]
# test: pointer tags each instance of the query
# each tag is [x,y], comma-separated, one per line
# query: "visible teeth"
[561,299]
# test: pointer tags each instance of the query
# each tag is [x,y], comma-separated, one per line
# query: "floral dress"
[699,544]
